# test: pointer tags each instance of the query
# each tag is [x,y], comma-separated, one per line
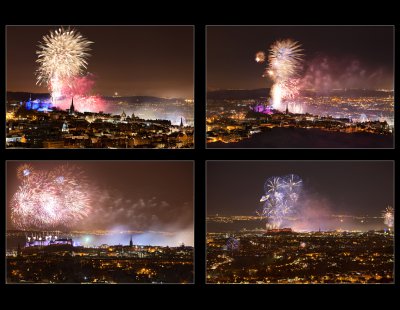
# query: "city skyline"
[125,60]
[345,56]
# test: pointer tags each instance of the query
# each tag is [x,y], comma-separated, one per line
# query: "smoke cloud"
[324,73]
[314,212]
[112,209]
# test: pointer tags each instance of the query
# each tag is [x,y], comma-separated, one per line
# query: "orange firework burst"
[24,171]
[260,57]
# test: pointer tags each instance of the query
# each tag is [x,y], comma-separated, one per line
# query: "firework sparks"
[260,57]
[285,60]
[49,199]
[24,171]
[280,198]
[284,63]
[388,217]
[61,56]
[232,244]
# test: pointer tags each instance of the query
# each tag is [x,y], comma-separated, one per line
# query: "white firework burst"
[62,55]
[285,60]
[388,217]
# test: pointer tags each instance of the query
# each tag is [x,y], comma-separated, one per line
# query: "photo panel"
[300,222]
[100,87]
[92,222]
[300,86]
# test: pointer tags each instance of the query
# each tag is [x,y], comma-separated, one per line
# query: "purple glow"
[261,108]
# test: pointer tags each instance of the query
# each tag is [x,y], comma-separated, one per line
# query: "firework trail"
[50,199]
[280,198]
[388,217]
[285,60]
[61,57]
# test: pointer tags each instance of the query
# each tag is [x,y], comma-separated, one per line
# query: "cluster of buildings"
[228,128]
[289,257]
[231,121]
[27,127]
[59,260]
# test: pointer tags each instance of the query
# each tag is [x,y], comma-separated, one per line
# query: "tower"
[123,115]
[72,108]
[181,125]
[287,108]
[131,242]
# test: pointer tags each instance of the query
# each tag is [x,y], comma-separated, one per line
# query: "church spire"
[181,125]
[72,108]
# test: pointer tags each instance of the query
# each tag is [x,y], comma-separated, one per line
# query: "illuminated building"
[46,241]
[123,116]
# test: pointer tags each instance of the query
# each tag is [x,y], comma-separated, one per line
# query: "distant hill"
[239,94]
[23,96]
[140,99]
[243,94]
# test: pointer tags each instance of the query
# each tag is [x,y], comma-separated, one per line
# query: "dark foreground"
[113,265]
[301,258]
[309,138]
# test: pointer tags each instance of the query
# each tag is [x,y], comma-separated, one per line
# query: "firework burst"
[388,217]
[232,244]
[61,56]
[285,61]
[260,57]
[50,199]
[280,198]
[284,64]
[24,171]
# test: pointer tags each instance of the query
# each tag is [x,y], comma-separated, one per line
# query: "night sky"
[130,60]
[133,195]
[365,52]
[352,188]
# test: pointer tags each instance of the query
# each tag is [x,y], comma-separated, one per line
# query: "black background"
[201,14]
